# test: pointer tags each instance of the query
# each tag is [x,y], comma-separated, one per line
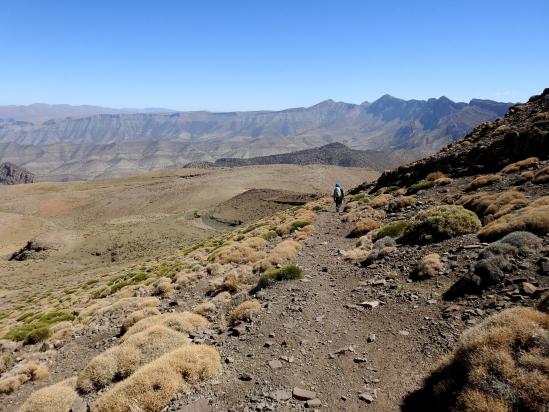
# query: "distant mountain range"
[105,145]
[39,113]
[336,154]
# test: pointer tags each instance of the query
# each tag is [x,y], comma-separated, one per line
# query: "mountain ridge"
[114,144]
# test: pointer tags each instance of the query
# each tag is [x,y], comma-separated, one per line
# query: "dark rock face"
[336,154]
[11,174]
[523,132]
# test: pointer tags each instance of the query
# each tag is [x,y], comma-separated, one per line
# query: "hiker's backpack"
[338,193]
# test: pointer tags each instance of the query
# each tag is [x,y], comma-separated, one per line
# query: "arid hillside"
[429,292]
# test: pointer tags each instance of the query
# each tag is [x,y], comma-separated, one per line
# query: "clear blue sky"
[239,55]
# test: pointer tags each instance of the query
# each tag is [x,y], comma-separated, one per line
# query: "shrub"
[359,198]
[269,235]
[423,185]
[443,181]
[401,202]
[12,383]
[37,335]
[281,253]
[498,365]
[520,165]
[391,189]
[496,204]
[245,311]
[122,360]
[55,398]
[29,372]
[533,218]
[393,229]
[541,176]
[38,326]
[136,316]
[429,266]
[247,251]
[152,386]
[482,181]
[184,322]
[431,177]
[206,309]
[380,201]
[440,223]
[362,227]
[272,275]
[162,287]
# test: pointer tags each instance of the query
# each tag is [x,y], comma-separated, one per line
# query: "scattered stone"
[245,377]
[370,304]
[371,337]
[528,288]
[360,360]
[268,344]
[404,332]
[280,395]
[313,403]
[275,364]
[303,394]
[200,405]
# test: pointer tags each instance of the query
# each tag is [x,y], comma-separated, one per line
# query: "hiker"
[338,196]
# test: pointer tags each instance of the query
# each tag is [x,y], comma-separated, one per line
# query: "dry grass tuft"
[163,287]
[443,181]
[152,386]
[122,360]
[482,181]
[363,227]
[433,176]
[206,309]
[29,372]
[245,311]
[520,165]
[400,202]
[498,365]
[184,279]
[55,398]
[494,204]
[533,218]
[184,322]
[381,248]
[281,253]
[380,201]
[304,233]
[428,267]
[541,176]
[247,251]
[136,316]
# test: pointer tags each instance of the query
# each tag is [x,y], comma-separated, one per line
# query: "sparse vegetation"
[380,201]
[122,360]
[393,229]
[496,204]
[433,176]
[423,185]
[498,365]
[184,322]
[443,181]
[482,181]
[428,267]
[245,311]
[440,223]
[36,327]
[152,386]
[269,235]
[136,316]
[55,398]
[359,198]
[381,248]
[362,227]
[533,218]
[520,165]
[541,176]
[288,272]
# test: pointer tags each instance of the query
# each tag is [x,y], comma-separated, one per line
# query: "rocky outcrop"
[523,132]
[11,174]
[336,154]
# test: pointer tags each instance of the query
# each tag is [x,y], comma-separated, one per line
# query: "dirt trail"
[322,343]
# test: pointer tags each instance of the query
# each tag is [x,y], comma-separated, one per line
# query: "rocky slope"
[109,144]
[521,133]
[430,295]
[11,174]
[336,154]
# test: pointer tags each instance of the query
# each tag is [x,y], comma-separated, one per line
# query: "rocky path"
[321,335]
